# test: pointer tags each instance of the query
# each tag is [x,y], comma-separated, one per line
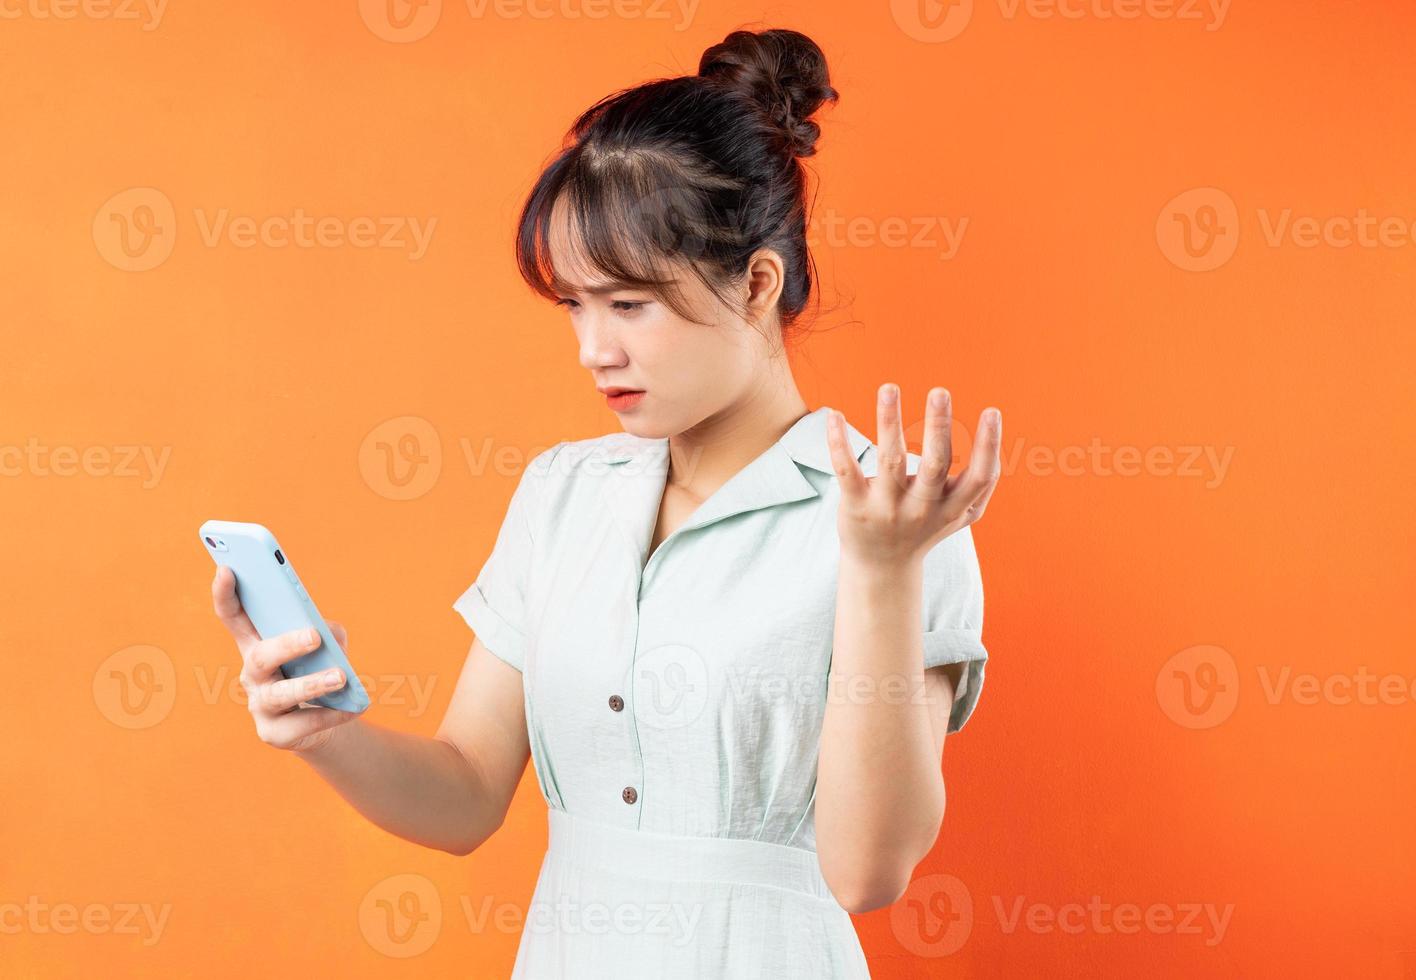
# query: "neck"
[704,457]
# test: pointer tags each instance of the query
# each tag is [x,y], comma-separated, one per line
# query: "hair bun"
[782,71]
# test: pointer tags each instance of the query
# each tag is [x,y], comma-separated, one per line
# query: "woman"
[731,637]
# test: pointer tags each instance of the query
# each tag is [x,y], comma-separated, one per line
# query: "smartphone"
[276,602]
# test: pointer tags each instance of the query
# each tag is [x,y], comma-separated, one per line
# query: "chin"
[645,424]
[643,428]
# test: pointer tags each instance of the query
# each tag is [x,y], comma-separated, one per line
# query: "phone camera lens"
[279,557]
[210,542]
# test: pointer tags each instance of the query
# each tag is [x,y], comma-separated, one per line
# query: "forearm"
[880,792]
[418,788]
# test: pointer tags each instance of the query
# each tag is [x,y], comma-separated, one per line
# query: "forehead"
[570,268]
[567,263]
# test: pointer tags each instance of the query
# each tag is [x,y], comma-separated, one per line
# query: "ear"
[763,283]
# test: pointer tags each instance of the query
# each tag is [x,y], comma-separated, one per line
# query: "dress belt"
[671,857]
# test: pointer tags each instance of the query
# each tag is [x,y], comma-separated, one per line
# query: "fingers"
[281,696]
[288,730]
[889,438]
[976,509]
[341,635]
[975,484]
[937,450]
[843,461]
[265,657]
[228,608]
[964,496]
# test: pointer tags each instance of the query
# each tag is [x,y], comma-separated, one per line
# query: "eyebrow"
[610,287]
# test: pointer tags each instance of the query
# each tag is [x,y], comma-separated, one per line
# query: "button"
[616,702]
[629,794]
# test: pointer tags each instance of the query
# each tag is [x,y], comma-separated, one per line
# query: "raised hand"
[896,517]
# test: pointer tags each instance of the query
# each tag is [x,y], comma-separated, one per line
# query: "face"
[686,371]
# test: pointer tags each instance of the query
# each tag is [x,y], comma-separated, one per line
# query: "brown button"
[629,794]
[616,702]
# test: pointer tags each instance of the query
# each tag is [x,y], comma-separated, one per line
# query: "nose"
[599,346]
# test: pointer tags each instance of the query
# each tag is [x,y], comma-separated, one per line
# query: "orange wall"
[1116,322]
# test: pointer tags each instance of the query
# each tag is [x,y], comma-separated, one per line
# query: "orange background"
[260,372]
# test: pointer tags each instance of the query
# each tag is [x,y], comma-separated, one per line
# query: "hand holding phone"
[290,655]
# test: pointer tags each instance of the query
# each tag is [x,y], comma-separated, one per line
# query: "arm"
[880,793]
[450,792]
[879,788]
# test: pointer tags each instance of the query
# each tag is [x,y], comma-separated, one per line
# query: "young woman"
[732,637]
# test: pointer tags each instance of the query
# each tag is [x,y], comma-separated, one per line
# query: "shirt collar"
[804,442]
[774,477]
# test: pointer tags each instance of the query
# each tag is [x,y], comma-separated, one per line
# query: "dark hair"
[701,169]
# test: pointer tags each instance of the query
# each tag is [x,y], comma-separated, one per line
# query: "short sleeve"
[494,605]
[953,618]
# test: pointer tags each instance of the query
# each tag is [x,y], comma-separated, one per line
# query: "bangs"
[616,223]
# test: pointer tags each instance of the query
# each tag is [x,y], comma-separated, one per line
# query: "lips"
[619,391]
[623,399]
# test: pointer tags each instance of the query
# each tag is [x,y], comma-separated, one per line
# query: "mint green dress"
[674,704]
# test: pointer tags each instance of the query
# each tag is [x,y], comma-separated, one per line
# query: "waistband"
[670,857]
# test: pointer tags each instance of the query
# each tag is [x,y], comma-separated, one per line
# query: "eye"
[623,306]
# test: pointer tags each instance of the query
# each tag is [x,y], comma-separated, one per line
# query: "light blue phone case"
[276,602]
